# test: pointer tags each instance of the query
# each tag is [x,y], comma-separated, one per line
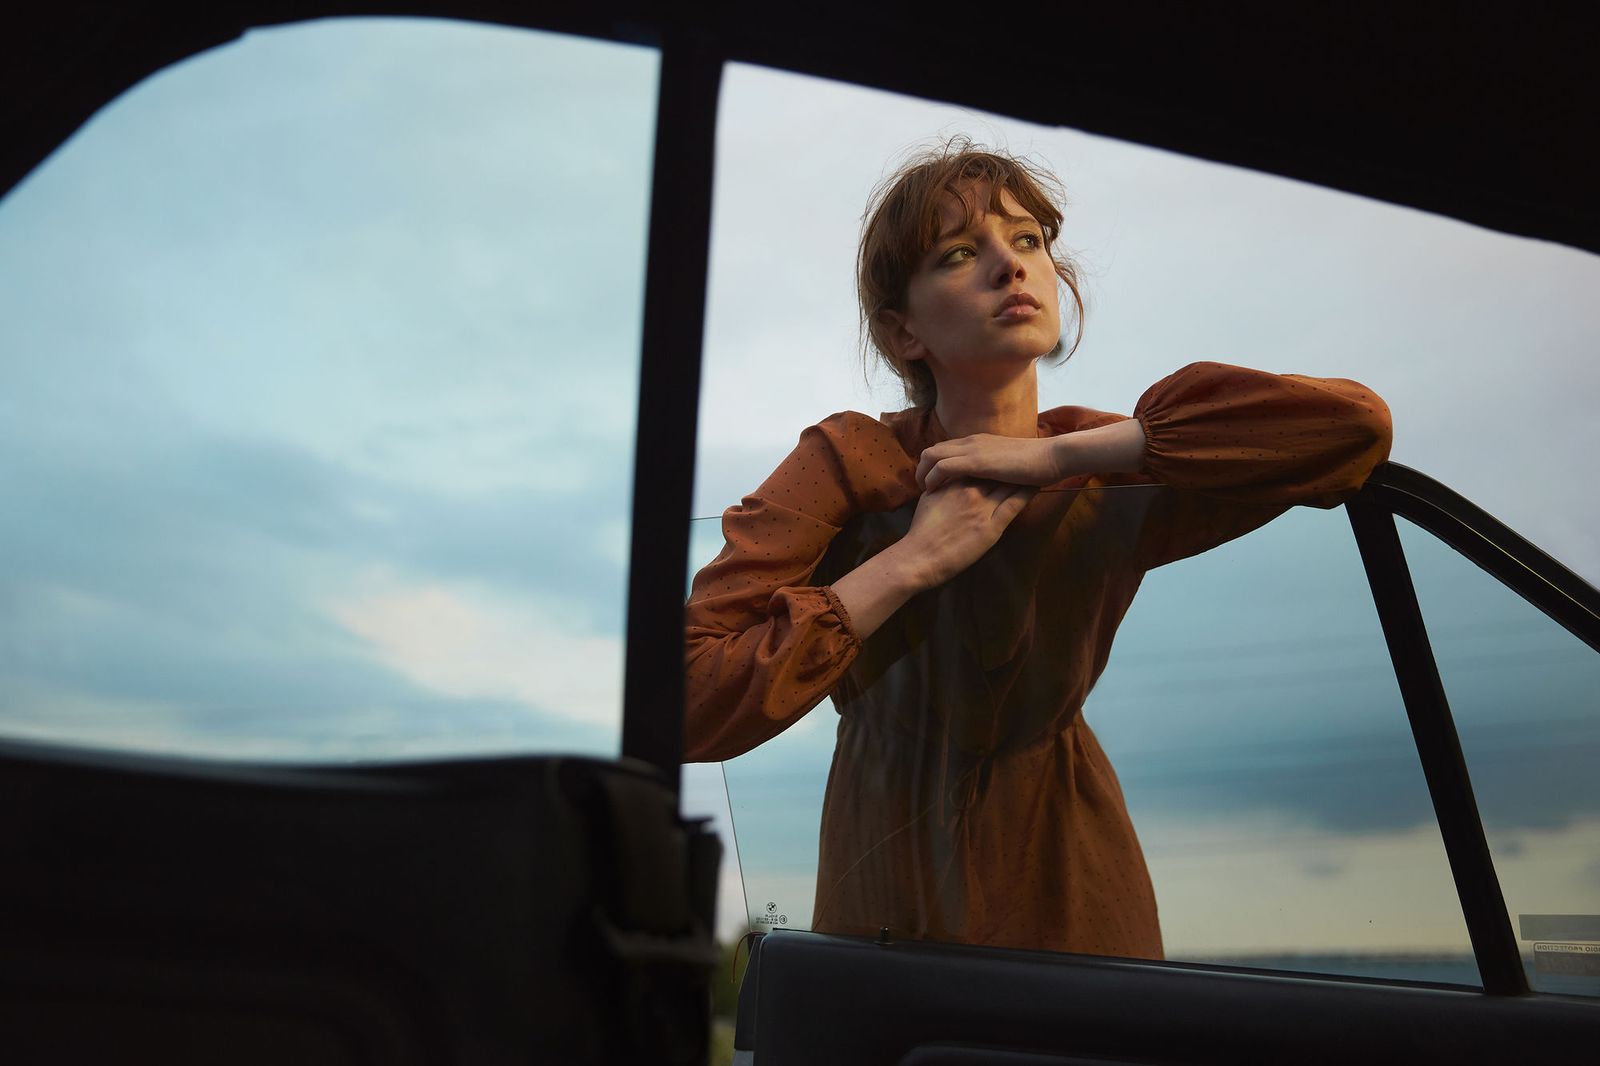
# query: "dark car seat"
[542,909]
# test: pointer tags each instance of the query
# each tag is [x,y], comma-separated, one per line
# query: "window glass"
[318,363]
[1522,691]
[1250,710]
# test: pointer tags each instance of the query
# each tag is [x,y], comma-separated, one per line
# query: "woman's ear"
[898,333]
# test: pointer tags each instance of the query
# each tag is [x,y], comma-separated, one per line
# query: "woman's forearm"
[878,587]
[1115,449]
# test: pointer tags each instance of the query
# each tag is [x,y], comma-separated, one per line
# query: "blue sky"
[317,354]
[317,367]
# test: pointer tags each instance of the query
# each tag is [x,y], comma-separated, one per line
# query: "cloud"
[1508,846]
[1322,868]
[173,575]
[389,720]
[1258,884]
[469,645]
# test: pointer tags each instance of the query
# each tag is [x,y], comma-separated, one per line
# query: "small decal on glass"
[1569,960]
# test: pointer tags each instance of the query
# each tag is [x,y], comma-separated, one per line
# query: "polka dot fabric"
[968,799]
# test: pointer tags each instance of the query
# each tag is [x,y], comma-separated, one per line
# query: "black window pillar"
[1438,747]
[669,397]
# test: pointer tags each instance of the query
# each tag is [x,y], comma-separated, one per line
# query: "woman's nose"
[1010,269]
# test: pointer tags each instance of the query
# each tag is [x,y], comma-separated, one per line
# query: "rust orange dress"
[968,799]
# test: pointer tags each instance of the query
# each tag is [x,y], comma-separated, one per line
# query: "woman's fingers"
[930,459]
[1018,460]
[1007,501]
[1012,503]
[936,462]
[943,472]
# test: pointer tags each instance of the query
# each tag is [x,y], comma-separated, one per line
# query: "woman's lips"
[1017,306]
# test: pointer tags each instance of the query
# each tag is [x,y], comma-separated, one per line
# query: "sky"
[318,360]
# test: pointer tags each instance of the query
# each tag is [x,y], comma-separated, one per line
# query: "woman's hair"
[902,224]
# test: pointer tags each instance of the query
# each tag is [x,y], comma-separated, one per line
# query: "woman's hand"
[956,523]
[952,527]
[1014,460]
[1117,448]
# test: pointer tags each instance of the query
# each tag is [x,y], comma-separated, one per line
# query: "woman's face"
[983,300]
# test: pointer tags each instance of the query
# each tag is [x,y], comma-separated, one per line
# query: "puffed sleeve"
[763,645]
[1236,447]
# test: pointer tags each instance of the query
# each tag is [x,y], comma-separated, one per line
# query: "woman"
[911,568]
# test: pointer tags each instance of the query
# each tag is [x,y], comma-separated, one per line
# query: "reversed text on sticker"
[1575,960]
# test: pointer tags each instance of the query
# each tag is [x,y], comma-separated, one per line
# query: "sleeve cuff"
[837,605]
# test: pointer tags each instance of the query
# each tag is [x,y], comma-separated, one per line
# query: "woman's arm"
[1233,448]
[1229,447]
[953,526]
[1115,449]
[1234,433]
[1256,438]
[764,645]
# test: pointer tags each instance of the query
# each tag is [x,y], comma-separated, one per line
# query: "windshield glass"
[318,363]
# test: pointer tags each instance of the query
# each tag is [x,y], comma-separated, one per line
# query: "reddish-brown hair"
[902,225]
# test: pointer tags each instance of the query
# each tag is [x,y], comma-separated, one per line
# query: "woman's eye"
[955,255]
[1032,240]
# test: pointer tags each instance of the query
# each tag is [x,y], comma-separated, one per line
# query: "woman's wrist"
[1064,455]
[904,569]
[878,587]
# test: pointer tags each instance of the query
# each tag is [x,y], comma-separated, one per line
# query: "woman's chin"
[1028,341]
[1014,355]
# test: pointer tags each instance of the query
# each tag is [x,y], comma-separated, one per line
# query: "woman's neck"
[1006,409]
